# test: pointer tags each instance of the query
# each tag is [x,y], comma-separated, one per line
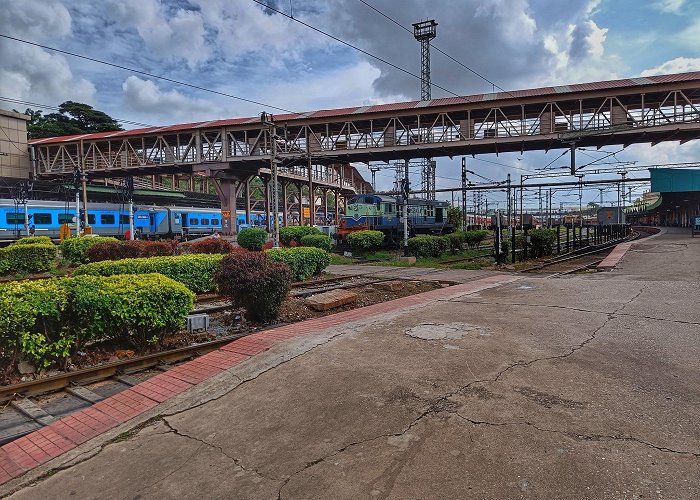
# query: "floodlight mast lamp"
[425,31]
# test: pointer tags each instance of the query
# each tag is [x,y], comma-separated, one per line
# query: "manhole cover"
[439,331]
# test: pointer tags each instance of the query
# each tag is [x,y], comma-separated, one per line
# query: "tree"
[72,118]
[455,217]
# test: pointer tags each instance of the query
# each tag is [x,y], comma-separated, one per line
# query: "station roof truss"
[619,112]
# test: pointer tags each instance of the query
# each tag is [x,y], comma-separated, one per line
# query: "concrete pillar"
[285,204]
[246,194]
[227,190]
[301,204]
[267,185]
[324,193]
[337,207]
[312,197]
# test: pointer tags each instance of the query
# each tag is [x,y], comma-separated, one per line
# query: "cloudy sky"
[240,48]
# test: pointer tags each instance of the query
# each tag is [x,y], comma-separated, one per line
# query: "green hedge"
[27,258]
[30,240]
[74,250]
[252,238]
[474,238]
[456,240]
[365,240]
[294,234]
[303,261]
[195,271]
[44,322]
[542,241]
[321,241]
[428,246]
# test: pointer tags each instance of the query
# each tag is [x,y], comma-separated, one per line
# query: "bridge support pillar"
[246,186]
[228,189]
[268,209]
[301,203]
[324,193]
[285,204]
[337,206]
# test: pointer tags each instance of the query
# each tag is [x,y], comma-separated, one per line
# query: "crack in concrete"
[220,449]
[580,436]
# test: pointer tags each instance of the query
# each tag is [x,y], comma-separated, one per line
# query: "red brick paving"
[49,442]
[614,257]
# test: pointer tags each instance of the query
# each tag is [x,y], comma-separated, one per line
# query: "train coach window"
[389,208]
[91,219]
[42,218]
[107,219]
[123,219]
[205,222]
[14,218]
[193,222]
[67,218]
[215,222]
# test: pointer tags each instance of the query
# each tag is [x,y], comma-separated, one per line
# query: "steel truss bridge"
[313,146]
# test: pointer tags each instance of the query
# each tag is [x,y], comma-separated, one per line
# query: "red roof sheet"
[326,113]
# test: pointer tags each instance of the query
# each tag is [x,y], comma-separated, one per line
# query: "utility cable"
[145,73]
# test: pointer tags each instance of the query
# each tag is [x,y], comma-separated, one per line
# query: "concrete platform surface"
[581,387]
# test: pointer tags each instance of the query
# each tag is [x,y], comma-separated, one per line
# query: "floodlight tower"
[425,31]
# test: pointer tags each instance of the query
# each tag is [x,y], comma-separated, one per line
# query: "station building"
[14,154]
[674,199]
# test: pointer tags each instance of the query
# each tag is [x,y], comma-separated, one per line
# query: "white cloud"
[145,99]
[32,73]
[178,35]
[670,6]
[677,65]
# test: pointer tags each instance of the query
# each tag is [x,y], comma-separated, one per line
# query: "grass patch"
[341,259]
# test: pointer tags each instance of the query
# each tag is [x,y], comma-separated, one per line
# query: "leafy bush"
[474,238]
[196,272]
[256,282]
[140,308]
[27,258]
[252,238]
[116,250]
[30,240]
[303,261]
[294,234]
[44,321]
[456,240]
[30,313]
[211,246]
[428,246]
[542,241]
[364,240]
[321,241]
[74,250]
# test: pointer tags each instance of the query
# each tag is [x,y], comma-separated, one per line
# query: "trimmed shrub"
[256,282]
[542,241]
[474,238]
[27,258]
[321,241]
[196,272]
[361,241]
[252,238]
[74,250]
[30,314]
[211,246]
[456,240]
[303,261]
[30,240]
[294,234]
[140,308]
[130,249]
[428,246]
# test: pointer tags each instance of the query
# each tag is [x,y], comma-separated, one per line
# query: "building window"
[14,218]
[107,219]
[42,218]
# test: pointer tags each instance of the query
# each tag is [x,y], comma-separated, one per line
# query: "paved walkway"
[582,387]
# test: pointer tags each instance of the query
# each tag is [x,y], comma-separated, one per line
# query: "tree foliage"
[72,118]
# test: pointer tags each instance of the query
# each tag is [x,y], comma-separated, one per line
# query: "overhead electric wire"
[145,73]
[56,108]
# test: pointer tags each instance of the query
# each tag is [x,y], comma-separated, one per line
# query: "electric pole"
[464,194]
[424,32]
[269,121]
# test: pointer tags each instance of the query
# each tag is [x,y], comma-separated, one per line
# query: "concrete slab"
[543,388]
[331,299]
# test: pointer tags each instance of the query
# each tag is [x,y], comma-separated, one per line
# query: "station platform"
[504,386]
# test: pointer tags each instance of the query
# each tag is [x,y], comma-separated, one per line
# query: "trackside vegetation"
[304,262]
